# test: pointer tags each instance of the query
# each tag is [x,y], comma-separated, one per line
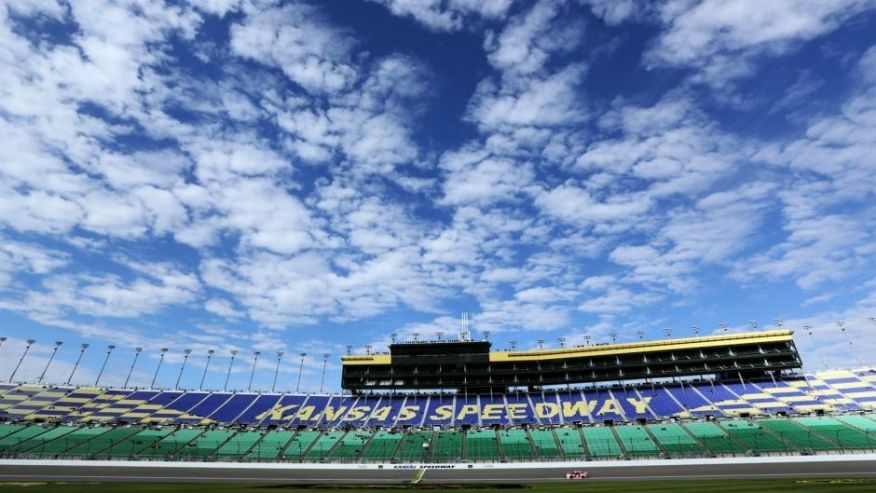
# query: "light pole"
[640,334]
[808,329]
[300,369]
[206,366]
[696,330]
[613,336]
[230,365]
[393,336]
[668,332]
[779,322]
[158,368]
[137,351]
[325,357]
[753,324]
[349,349]
[255,360]
[3,339]
[277,370]
[82,349]
[486,335]
[30,342]
[842,327]
[415,335]
[368,349]
[54,350]
[587,339]
[439,334]
[723,326]
[182,368]
[562,341]
[540,344]
[513,345]
[109,351]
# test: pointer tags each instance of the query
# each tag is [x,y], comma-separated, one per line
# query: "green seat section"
[861,423]
[323,445]
[601,442]
[411,447]
[170,444]
[299,444]
[714,438]
[239,444]
[351,446]
[545,443]
[80,442]
[840,433]
[637,441]
[792,432]
[142,440]
[24,434]
[674,439]
[8,429]
[754,437]
[570,442]
[447,446]
[272,445]
[102,443]
[516,446]
[383,446]
[205,444]
[482,445]
[35,445]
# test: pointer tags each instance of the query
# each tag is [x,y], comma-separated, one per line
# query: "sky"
[256,175]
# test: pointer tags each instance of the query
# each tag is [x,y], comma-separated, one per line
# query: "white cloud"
[720,38]
[297,39]
[446,15]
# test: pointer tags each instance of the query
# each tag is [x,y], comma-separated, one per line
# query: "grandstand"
[731,410]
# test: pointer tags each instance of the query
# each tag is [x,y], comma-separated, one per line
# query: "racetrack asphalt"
[805,467]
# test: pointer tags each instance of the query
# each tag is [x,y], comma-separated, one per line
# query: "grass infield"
[848,485]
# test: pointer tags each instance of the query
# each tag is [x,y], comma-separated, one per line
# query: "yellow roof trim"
[610,349]
[645,347]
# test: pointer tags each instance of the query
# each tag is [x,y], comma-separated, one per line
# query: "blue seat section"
[283,411]
[335,409]
[143,395]
[467,410]
[311,410]
[361,411]
[519,409]
[632,404]
[165,398]
[690,399]
[382,417]
[233,408]
[545,407]
[413,411]
[493,410]
[716,393]
[440,410]
[209,405]
[660,401]
[603,406]
[187,401]
[262,404]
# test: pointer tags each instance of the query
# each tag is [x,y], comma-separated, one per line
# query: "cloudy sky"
[300,176]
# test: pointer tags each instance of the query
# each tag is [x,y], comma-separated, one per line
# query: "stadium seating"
[447,446]
[714,438]
[299,445]
[636,441]
[239,444]
[545,443]
[411,447]
[675,440]
[271,445]
[482,446]
[601,442]
[570,442]
[516,445]
[754,437]
[824,392]
[383,446]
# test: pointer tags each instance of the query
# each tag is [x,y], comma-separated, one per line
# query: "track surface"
[772,467]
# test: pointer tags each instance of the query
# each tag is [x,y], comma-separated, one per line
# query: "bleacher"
[820,413]
[729,437]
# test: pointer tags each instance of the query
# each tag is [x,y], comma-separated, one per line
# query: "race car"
[577,475]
